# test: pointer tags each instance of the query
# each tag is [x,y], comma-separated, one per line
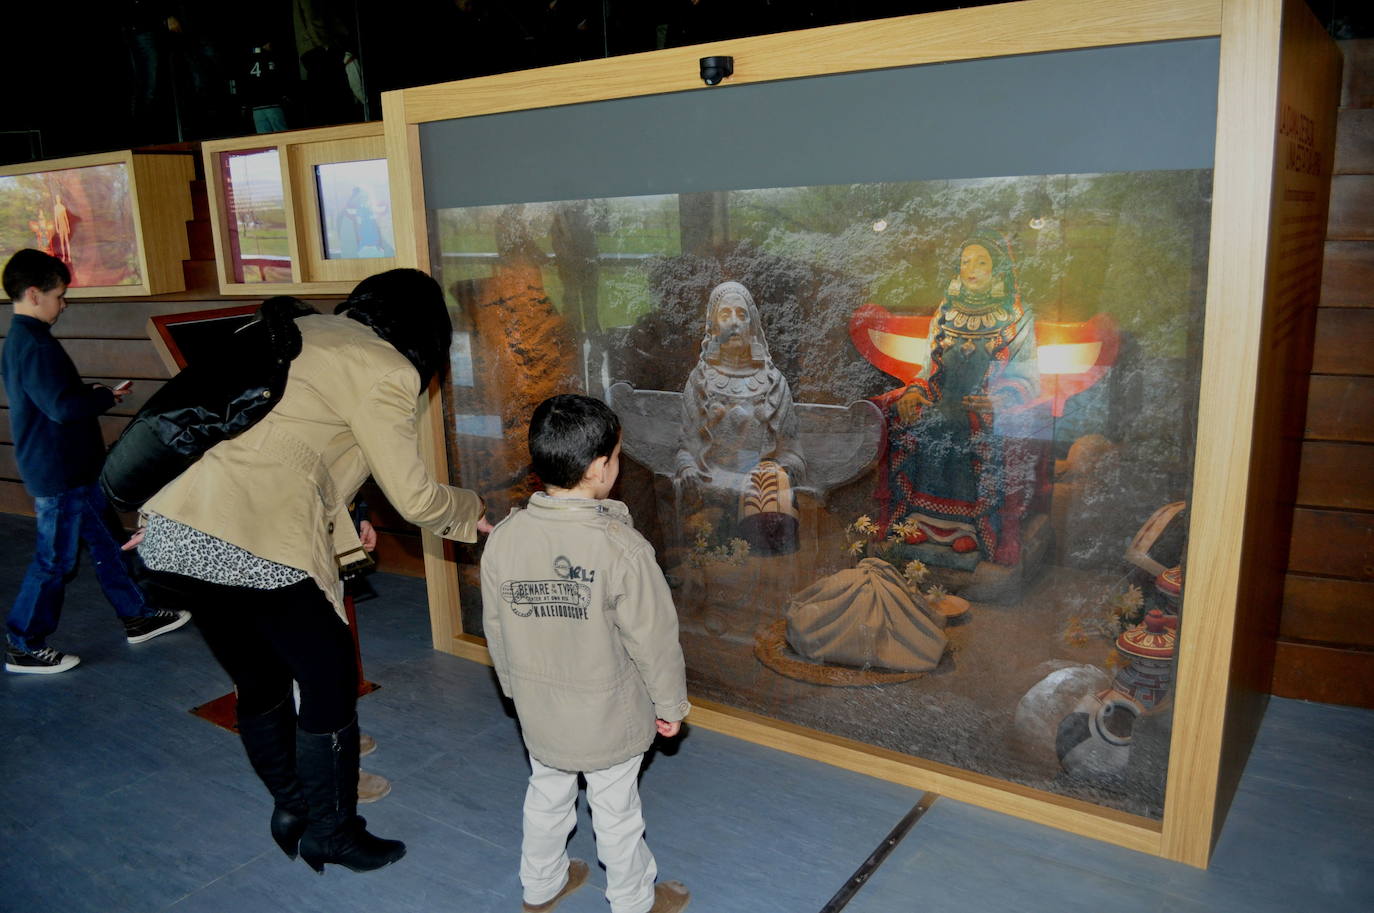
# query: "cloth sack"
[214,399]
[866,616]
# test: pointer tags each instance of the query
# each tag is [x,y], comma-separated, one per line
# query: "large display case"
[117,219]
[307,211]
[957,418]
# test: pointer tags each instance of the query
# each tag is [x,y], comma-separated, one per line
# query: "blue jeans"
[64,522]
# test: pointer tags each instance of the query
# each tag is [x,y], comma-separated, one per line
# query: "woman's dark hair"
[406,308]
[567,432]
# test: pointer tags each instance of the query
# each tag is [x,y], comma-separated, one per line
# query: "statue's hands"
[688,475]
[911,402]
[981,402]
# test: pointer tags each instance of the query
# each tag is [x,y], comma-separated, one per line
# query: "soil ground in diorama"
[961,713]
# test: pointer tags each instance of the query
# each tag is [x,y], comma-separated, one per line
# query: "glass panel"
[355,210]
[913,455]
[255,216]
[84,216]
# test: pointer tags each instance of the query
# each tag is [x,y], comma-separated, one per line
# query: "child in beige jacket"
[583,634]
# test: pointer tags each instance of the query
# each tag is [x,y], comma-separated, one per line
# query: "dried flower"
[908,527]
[916,571]
[864,526]
[856,547]
[936,592]
[735,552]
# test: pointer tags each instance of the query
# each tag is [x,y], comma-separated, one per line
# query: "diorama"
[116,220]
[891,443]
[941,431]
[307,211]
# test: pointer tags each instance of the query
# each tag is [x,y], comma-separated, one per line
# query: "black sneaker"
[160,621]
[43,661]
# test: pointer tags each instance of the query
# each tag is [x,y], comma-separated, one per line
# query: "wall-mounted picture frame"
[523,249]
[305,211]
[117,219]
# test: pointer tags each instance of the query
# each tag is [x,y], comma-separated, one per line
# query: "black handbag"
[212,400]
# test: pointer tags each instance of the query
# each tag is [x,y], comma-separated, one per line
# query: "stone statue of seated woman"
[738,434]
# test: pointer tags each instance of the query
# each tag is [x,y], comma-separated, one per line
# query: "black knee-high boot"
[270,742]
[327,764]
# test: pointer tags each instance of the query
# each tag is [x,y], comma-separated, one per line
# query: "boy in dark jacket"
[59,448]
[583,634]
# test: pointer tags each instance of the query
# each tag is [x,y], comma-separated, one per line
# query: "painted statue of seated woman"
[738,439]
[960,470]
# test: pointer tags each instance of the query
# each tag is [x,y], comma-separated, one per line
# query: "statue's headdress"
[710,344]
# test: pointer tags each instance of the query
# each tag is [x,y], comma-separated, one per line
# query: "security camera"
[714,69]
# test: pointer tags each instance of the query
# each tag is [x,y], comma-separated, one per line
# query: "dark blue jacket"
[53,412]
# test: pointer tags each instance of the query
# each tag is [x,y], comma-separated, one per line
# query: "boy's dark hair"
[567,432]
[30,268]
[406,308]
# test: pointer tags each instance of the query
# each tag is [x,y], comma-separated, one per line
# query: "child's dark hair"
[30,268]
[567,432]
[406,308]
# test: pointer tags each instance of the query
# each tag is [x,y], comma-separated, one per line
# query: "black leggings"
[265,639]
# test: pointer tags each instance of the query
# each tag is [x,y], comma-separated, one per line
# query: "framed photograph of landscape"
[304,211]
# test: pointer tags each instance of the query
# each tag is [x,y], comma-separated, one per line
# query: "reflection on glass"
[255,209]
[83,216]
[924,488]
[355,210]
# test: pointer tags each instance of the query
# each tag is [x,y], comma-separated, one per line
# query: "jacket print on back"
[567,595]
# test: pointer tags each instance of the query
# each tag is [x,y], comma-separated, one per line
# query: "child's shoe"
[670,897]
[577,874]
[44,660]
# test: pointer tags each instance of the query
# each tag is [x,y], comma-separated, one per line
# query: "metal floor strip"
[861,875]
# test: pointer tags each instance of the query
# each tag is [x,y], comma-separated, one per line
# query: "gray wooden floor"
[118,799]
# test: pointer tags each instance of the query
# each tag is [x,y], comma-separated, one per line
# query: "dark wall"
[116,76]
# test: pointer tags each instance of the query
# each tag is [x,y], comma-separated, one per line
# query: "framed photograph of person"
[117,220]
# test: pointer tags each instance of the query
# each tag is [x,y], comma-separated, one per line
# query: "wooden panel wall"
[1326,632]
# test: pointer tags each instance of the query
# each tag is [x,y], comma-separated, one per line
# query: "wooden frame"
[1271,50]
[160,203]
[300,153]
[161,329]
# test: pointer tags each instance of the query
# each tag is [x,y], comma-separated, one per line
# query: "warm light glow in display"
[1068,358]
[910,349]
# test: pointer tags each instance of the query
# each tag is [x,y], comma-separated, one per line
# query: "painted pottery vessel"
[1148,649]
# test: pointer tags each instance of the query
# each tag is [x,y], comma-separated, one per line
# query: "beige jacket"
[582,631]
[281,489]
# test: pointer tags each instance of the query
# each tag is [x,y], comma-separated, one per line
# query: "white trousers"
[617,821]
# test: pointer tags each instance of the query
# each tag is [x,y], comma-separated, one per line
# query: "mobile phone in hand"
[124,386]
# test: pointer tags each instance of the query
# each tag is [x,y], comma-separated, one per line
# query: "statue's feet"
[963,545]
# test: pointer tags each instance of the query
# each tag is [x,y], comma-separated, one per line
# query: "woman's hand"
[134,541]
[910,405]
[667,729]
[983,403]
[484,525]
[367,534]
